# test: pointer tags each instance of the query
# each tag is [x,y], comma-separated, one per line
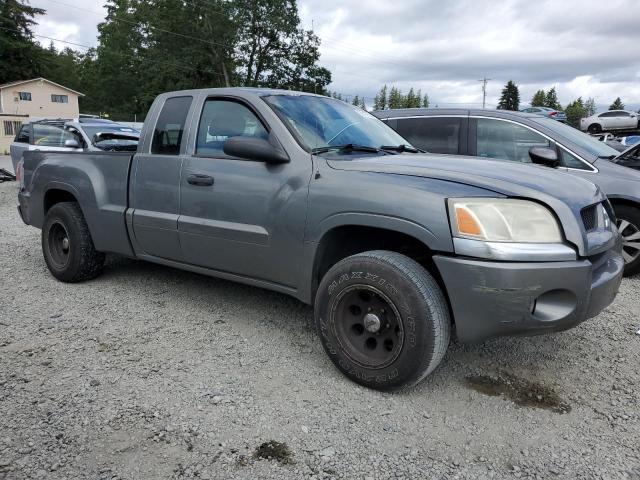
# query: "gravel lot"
[154,373]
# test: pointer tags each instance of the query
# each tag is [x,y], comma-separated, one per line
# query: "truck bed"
[98,181]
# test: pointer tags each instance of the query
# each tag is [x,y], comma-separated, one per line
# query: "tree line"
[146,47]
[575,110]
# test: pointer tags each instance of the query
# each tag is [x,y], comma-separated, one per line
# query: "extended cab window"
[223,119]
[506,140]
[436,135]
[167,136]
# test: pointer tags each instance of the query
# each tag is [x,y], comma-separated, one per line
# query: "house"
[39,98]
[31,100]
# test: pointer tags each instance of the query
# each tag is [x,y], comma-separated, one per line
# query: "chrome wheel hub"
[630,234]
[371,322]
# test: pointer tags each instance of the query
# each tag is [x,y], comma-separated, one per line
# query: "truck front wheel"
[67,245]
[382,319]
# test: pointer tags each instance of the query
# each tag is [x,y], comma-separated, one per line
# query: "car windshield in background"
[321,122]
[584,141]
[94,130]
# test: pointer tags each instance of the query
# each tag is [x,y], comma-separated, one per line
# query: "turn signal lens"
[467,224]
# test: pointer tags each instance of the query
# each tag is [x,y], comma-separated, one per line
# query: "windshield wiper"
[607,157]
[347,146]
[402,148]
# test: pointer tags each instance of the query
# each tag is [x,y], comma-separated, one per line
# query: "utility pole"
[484,81]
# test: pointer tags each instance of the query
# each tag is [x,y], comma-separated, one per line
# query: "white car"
[611,120]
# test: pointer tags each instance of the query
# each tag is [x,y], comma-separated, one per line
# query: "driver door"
[238,215]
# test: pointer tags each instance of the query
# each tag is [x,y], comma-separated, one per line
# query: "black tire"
[414,331]
[67,245]
[629,227]
[594,128]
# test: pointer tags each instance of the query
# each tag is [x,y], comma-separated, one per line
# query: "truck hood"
[504,177]
[565,194]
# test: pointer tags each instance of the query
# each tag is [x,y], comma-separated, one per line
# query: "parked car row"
[318,199]
[87,135]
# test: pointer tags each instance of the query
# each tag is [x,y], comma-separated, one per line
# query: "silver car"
[68,136]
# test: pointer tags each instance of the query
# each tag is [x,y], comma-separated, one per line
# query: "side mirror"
[256,149]
[544,156]
[71,143]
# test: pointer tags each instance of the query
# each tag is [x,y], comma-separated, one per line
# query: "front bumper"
[492,299]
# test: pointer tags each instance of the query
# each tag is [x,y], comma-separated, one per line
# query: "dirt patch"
[520,391]
[273,450]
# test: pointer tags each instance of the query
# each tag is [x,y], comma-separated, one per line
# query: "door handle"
[200,180]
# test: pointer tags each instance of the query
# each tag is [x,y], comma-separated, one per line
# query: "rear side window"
[223,119]
[436,135]
[23,135]
[167,136]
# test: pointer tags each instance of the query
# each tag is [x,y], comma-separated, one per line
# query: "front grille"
[590,217]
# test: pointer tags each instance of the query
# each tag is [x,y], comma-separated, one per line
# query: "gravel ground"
[154,373]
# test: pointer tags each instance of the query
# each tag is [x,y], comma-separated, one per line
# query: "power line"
[131,22]
[186,67]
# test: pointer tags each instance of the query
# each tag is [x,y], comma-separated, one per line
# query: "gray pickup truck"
[312,197]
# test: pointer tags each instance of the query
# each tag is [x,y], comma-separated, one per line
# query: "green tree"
[411,100]
[575,111]
[396,99]
[551,100]
[20,57]
[617,104]
[273,50]
[510,98]
[380,101]
[356,101]
[539,99]
[590,107]
[425,101]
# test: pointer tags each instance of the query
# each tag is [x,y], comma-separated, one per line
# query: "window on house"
[60,98]
[11,127]
[25,96]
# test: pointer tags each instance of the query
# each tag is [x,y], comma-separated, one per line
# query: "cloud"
[582,47]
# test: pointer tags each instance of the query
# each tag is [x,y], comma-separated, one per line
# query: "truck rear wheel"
[67,245]
[382,319]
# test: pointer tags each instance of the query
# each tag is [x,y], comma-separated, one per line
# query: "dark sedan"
[506,135]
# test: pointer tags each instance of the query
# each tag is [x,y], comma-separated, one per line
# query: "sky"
[585,48]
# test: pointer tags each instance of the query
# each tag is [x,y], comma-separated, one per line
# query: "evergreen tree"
[590,107]
[575,111]
[356,101]
[617,104]
[510,98]
[396,99]
[20,57]
[551,100]
[380,101]
[410,99]
[538,99]
[425,101]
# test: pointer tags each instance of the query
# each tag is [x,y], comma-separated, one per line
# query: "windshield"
[584,141]
[320,122]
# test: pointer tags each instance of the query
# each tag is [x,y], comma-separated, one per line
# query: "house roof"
[12,84]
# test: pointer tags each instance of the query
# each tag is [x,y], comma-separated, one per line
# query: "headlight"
[503,220]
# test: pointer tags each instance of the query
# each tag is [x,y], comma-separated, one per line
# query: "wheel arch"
[361,233]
